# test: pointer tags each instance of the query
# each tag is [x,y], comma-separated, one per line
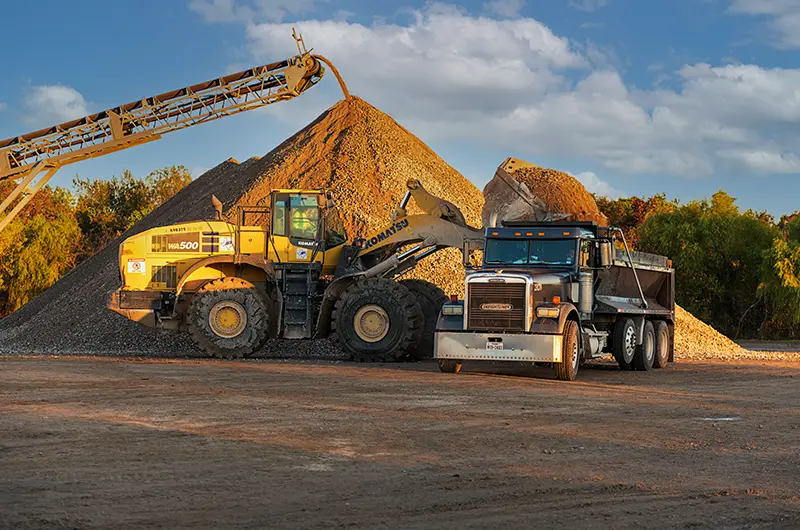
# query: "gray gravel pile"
[71,316]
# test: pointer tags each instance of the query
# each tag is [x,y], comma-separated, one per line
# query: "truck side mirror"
[605,257]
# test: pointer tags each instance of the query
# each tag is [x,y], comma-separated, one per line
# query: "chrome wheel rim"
[630,343]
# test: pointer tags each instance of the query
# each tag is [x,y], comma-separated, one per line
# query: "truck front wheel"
[377,320]
[228,318]
[624,342]
[450,366]
[567,369]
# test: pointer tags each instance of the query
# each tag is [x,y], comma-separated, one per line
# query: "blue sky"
[634,97]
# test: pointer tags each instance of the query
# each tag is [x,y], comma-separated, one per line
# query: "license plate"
[494,346]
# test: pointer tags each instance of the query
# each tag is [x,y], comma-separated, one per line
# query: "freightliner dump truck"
[561,293]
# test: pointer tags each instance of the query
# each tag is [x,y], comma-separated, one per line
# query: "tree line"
[736,270]
[61,227]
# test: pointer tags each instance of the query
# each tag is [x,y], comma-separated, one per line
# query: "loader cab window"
[303,216]
[279,218]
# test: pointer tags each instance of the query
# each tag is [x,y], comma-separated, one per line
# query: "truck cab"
[560,293]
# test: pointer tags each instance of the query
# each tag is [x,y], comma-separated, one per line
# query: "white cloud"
[768,162]
[49,104]
[588,5]
[515,85]
[596,185]
[252,11]
[784,15]
[505,8]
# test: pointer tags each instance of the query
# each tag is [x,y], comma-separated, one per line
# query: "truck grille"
[496,306]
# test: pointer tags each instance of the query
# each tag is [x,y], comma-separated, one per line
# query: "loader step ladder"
[300,297]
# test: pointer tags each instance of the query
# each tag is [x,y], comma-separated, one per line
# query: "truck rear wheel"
[228,318]
[377,320]
[646,351]
[567,369]
[662,344]
[624,342]
[431,298]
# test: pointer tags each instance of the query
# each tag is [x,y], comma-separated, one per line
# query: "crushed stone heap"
[558,192]
[359,153]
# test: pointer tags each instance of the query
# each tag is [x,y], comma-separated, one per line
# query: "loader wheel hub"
[371,323]
[227,319]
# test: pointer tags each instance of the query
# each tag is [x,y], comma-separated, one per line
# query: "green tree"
[34,253]
[780,288]
[107,208]
[630,213]
[718,253]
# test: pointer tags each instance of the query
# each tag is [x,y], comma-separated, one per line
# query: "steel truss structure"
[42,153]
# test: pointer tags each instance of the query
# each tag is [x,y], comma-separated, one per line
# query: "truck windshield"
[530,252]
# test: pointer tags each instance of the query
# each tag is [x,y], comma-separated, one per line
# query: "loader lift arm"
[41,153]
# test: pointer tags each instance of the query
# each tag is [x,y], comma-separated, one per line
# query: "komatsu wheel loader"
[292,275]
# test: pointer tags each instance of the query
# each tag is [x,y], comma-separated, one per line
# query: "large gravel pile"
[353,149]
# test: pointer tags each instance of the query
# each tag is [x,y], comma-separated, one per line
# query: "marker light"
[556,300]
[547,312]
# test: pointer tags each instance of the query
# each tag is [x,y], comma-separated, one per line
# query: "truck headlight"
[453,310]
[548,312]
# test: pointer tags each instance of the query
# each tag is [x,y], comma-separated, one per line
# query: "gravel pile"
[557,191]
[696,341]
[353,149]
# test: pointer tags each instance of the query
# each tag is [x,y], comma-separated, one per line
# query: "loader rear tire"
[229,318]
[431,298]
[377,320]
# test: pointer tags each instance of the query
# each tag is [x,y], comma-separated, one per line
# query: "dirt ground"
[99,442]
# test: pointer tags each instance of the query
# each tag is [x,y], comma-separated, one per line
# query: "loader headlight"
[548,312]
[453,310]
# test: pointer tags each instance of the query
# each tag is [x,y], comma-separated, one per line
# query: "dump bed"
[617,290]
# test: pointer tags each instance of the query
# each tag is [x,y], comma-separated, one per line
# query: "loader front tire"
[377,320]
[431,298]
[229,318]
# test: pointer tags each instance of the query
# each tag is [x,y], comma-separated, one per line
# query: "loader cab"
[304,225]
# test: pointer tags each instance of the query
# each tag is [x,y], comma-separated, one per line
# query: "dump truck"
[288,271]
[560,293]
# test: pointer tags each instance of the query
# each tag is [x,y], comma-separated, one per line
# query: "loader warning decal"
[383,236]
[136,266]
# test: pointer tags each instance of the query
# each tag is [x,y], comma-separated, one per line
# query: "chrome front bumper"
[516,347]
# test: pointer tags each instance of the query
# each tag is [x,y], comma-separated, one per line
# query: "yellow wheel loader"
[293,275]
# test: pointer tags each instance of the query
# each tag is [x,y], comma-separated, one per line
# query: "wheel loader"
[287,271]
